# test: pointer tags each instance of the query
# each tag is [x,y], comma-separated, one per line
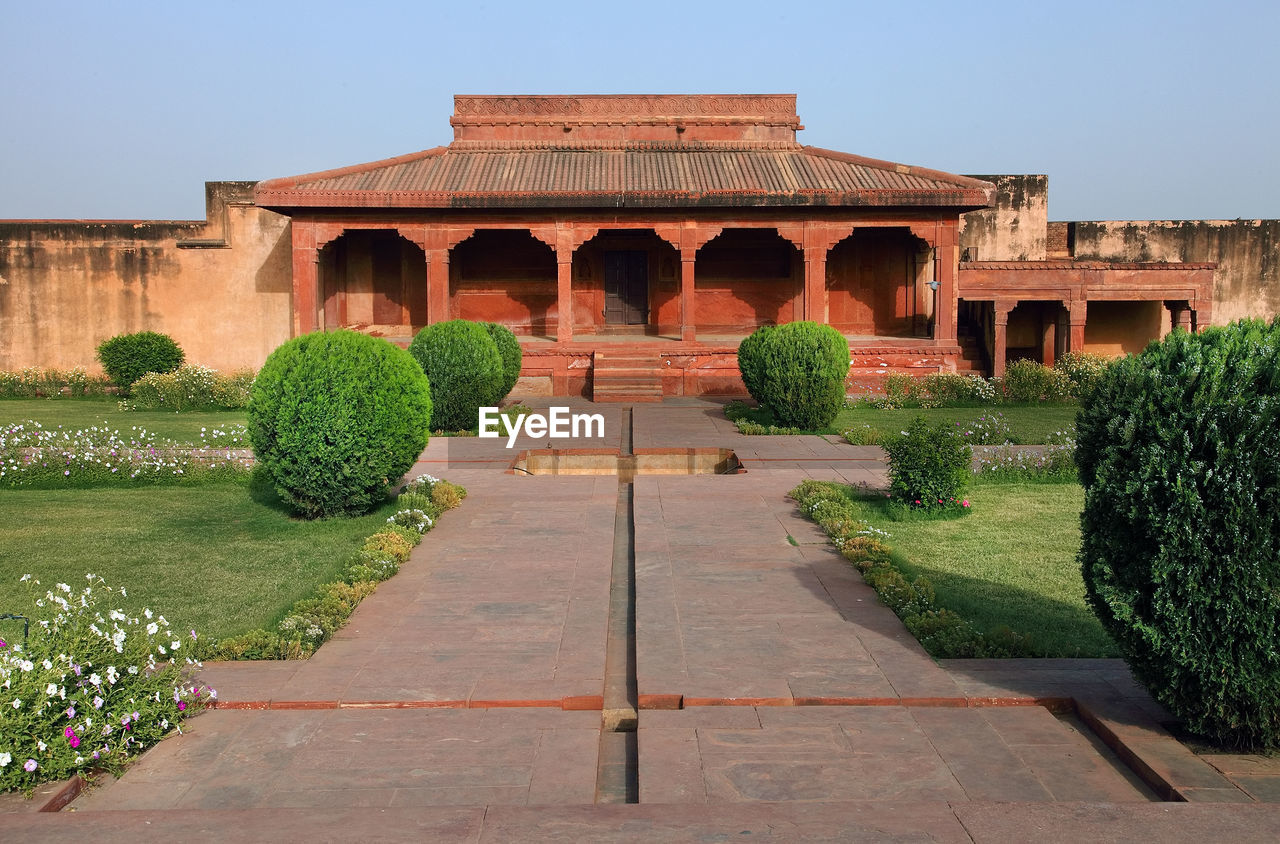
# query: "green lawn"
[1010,562]
[1030,424]
[215,557]
[83,413]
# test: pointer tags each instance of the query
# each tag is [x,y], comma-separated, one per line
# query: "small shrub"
[751,361]
[1181,526]
[34,382]
[446,495]
[337,418]
[862,435]
[190,387]
[413,501]
[465,369]
[803,367]
[127,357]
[987,429]
[414,519]
[511,353]
[390,544]
[409,534]
[1083,370]
[928,465]
[1028,381]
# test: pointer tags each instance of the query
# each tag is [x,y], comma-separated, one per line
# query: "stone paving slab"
[729,610]
[506,599]
[996,823]
[362,758]
[879,753]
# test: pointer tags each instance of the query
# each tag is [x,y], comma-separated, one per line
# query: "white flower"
[152,628]
[5,759]
[42,746]
[95,679]
[51,689]
[17,703]
[47,665]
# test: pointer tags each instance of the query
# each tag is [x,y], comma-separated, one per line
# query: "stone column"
[564,288]
[1001,323]
[815,284]
[1179,315]
[1048,338]
[437,285]
[1076,315]
[944,312]
[306,278]
[688,260]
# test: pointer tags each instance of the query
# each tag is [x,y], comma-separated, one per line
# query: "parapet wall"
[1247,252]
[220,287]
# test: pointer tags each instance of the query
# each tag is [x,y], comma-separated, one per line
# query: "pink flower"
[30,765]
[182,705]
[69,732]
[964,503]
[74,741]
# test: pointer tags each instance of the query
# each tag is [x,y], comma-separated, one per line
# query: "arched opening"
[505,276]
[1122,328]
[877,283]
[374,281]
[746,278]
[626,281]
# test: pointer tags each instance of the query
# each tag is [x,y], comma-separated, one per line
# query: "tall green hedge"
[465,369]
[127,357]
[336,419]
[1179,453]
[512,355]
[802,368]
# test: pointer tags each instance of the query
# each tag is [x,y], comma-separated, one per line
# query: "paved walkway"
[777,696]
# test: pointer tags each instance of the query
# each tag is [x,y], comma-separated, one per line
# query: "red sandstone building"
[631,242]
[634,239]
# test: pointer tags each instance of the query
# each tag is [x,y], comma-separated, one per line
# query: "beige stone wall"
[220,288]
[1014,229]
[1247,252]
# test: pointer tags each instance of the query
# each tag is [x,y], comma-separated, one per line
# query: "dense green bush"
[190,387]
[802,369]
[751,361]
[1028,381]
[465,369]
[337,418]
[127,357]
[511,353]
[1181,526]
[928,465]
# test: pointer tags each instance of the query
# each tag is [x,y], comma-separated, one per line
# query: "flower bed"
[88,688]
[34,456]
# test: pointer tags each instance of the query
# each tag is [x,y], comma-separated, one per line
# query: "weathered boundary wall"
[221,287]
[1015,227]
[1247,252]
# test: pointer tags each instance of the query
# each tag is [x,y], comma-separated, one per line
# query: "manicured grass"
[223,558]
[1030,424]
[82,413]
[1010,562]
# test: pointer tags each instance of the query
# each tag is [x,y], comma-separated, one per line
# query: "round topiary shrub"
[802,370]
[1181,525]
[127,357]
[750,360]
[512,355]
[465,369]
[336,419]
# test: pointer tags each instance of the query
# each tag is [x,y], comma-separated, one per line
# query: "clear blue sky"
[1135,110]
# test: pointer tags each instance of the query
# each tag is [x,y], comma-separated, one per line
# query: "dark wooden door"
[626,288]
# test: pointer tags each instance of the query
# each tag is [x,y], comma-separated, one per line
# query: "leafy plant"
[987,429]
[1028,381]
[928,465]
[751,361]
[33,382]
[511,353]
[127,357]
[1083,369]
[1181,524]
[465,369]
[802,370]
[190,387]
[337,418]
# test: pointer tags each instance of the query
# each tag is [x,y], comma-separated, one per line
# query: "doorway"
[626,287]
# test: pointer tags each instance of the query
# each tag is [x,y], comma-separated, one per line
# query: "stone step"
[626,377]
